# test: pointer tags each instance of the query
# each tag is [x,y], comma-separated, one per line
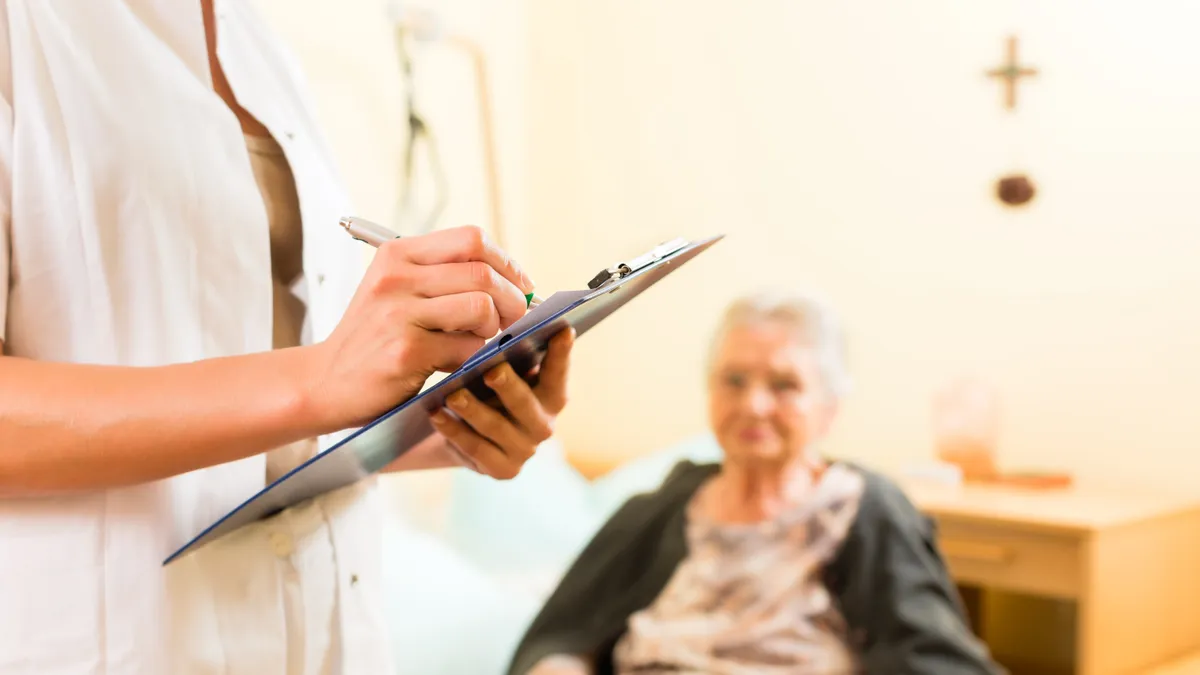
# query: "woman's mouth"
[754,434]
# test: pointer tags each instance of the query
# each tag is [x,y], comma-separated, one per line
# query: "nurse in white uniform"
[180,320]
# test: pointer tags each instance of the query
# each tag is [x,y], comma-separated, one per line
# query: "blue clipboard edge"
[524,350]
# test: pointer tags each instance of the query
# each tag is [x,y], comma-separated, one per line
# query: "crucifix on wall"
[1014,189]
[1011,72]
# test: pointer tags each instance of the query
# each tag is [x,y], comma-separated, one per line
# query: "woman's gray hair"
[814,322]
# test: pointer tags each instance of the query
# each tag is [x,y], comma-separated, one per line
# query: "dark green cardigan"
[888,578]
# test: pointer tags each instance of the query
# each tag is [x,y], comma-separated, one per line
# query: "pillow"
[526,530]
[419,498]
[444,614]
[646,473]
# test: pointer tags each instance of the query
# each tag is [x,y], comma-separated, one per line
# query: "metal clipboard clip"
[624,269]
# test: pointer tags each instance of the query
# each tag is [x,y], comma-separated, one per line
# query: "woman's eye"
[785,385]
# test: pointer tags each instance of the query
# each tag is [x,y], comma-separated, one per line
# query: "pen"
[375,235]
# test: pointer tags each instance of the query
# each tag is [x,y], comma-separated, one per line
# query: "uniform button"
[290,136]
[320,279]
[281,544]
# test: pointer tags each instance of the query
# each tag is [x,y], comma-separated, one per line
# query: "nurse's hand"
[426,304]
[498,442]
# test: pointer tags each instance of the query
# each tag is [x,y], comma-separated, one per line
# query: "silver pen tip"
[344,221]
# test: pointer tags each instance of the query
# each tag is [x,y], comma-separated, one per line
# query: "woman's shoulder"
[677,487]
[669,496]
[688,473]
[887,526]
[884,502]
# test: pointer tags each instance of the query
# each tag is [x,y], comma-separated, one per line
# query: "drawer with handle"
[1011,558]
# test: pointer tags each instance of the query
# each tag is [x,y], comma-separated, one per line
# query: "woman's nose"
[758,401]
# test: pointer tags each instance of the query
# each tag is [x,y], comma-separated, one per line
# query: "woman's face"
[767,402]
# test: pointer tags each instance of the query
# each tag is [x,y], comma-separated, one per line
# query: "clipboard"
[374,446]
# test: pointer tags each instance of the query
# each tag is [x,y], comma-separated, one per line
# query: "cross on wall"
[1011,72]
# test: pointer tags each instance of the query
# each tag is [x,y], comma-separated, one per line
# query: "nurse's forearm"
[68,427]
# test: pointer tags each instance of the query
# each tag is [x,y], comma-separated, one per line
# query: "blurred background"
[856,149]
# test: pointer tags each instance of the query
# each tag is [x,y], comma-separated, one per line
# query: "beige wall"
[849,147]
[347,50]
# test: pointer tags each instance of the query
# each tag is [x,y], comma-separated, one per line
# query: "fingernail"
[458,400]
[438,417]
[497,377]
[527,283]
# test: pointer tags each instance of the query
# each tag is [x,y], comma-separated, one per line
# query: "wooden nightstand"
[1130,563]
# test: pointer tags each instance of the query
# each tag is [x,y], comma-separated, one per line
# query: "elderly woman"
[774,561]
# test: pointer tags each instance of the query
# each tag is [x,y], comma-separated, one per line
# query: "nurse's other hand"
[425,304]
[498,442]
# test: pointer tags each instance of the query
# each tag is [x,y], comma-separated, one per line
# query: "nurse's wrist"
[308,409]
